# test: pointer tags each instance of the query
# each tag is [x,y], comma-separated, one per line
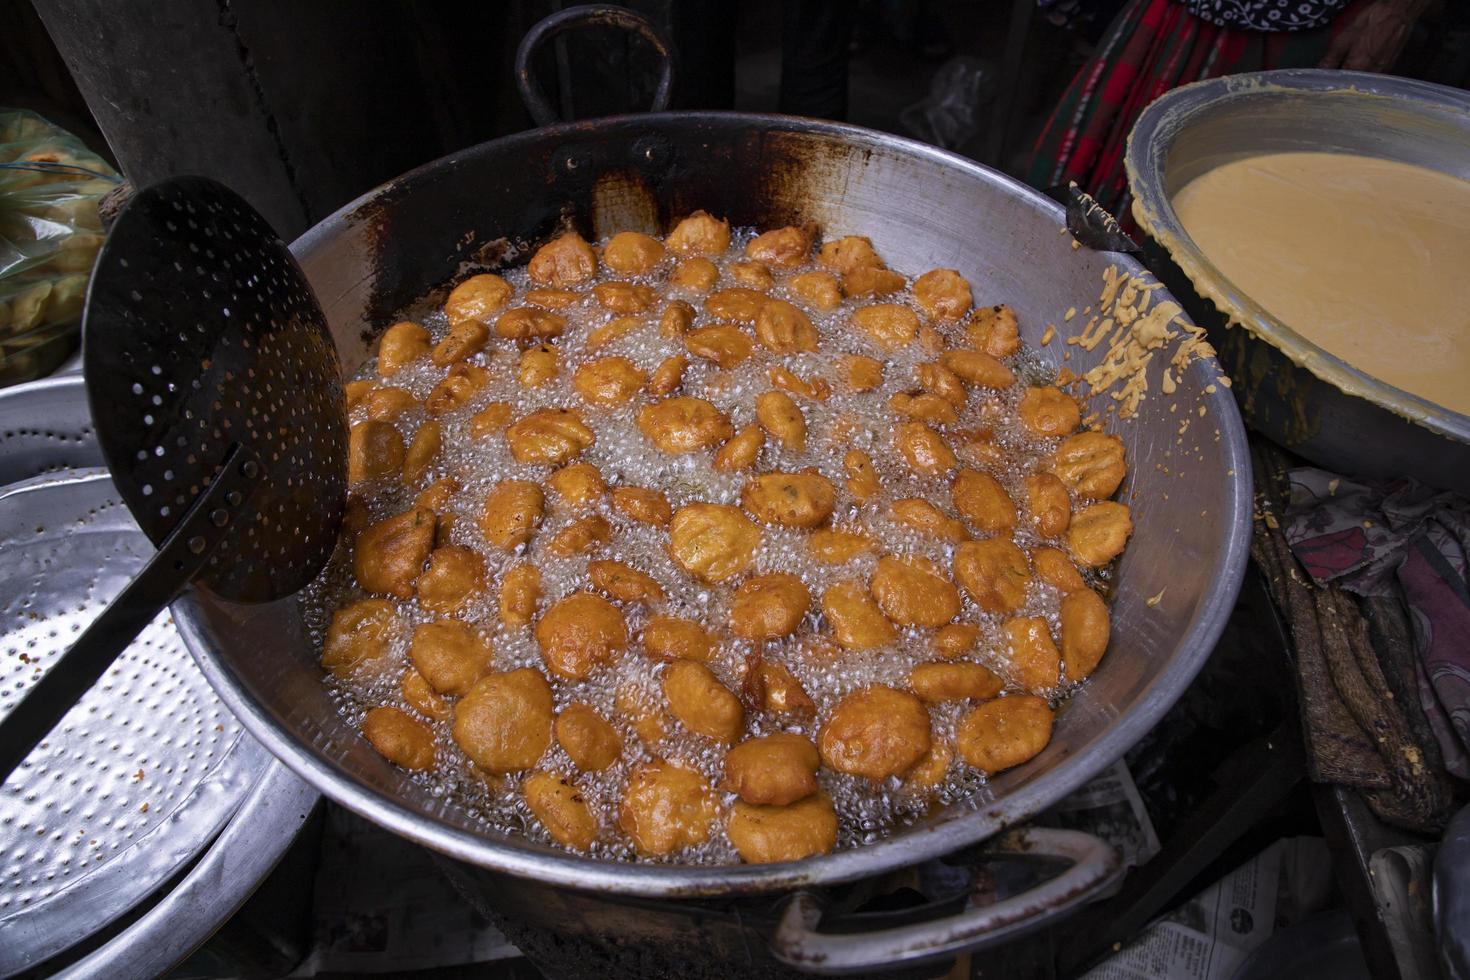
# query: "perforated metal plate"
[201,332]
[148,767]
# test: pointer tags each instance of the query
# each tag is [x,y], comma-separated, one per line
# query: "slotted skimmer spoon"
[217,400]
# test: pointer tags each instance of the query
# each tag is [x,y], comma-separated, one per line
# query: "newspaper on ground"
[1109,806]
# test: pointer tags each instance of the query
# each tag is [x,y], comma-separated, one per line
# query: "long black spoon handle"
[186,550]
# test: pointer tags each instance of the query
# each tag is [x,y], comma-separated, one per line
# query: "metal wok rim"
[907,846]
[1148,145]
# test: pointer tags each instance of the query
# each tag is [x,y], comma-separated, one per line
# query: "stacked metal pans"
[149,787]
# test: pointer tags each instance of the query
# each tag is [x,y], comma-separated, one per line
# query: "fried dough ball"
[386,404]
[355,392]
[1031,657]
[608,381]
[862,373]
[529,323]
[847,254]
[766,607]
[588,740]
[754,275]
[462,383]
[862,477]
[1004,733]
[538,365]
[359,636]
[642,505]
[612,331]
[773,770]
[767,834]
[561,808]
[401,344]
[817,389]
[789,499]
[924,407]
[943,294]
[668,376]
[1055,569]
[994,572]
[390,554]
[889,325]
[520,591]
[876,732]
[695,275]
[421,452]
[819,290]
[784,329]
[399,738]
[836,547]
[624,297]
[925,450]
[736,303]
[450,655]
[857,622]
[742,451]
[374,451]
[667,808]
[504,723]
[551,436]
[580,536]
[978,368]
[1047,504]
[630,253]
[931,770]
[465,339]
[955,640]
[924,516]
[673,638]
[871,283]
[1099,532]
[784,248]
[700,234]
[683,425]
[580,633]
[641,711]
[727,346]
[489,420]
[712,542]
[780,416]
[624,582]
[512,512]
[701,703]
[954,681]
[454,575]
[777,690]
[564,261]
[1048,411]
[477,297]
[983,501]
[421,697]
[914,592]
[552,299]
[1084,633]
[578,486]
[994,330]
[939,380]
[676,319]
[1091,464]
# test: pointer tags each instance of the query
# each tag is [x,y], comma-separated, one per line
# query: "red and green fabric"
[1151,47]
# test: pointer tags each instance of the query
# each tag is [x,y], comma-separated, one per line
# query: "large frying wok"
[489,206]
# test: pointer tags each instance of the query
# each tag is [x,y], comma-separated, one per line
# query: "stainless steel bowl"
[1333,413]
[923,208]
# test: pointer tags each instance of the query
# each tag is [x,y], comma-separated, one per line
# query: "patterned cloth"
[1406,539]
[1151,47]
[1267,15]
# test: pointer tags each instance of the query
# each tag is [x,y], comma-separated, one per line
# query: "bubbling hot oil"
[846,420]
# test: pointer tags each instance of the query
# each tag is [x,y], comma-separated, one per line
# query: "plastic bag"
[50,231]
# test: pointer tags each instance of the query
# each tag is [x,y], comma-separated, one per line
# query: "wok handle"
[1095,865]
[588,15]
[187,549]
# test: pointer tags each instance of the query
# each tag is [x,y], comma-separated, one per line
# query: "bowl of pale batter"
[1318,223]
